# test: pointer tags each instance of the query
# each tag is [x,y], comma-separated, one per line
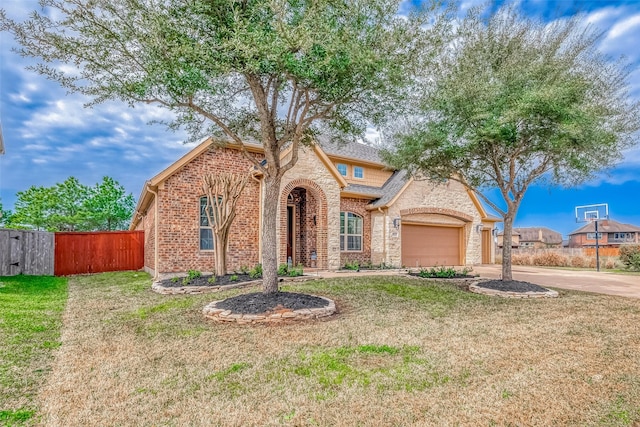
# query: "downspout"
[155,235]
[259,181]
[384,235]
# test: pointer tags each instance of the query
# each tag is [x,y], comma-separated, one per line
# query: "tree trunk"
[506,247]
[221,254]
[269,239]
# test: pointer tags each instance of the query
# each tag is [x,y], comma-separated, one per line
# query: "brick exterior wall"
[358,206]
[309,201]
[179,210]
[321,188]
[147,224]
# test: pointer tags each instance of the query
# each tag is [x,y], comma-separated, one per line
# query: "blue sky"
[50,136]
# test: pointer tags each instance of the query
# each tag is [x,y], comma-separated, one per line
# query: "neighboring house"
[534,238]
[338,204]
[515,239]
[611,234]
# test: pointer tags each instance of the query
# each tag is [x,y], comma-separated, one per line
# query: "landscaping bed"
[258,302]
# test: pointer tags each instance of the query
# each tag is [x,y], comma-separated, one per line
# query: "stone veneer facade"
[424,202]
[310,174]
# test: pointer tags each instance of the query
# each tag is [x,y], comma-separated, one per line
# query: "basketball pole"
[597,248]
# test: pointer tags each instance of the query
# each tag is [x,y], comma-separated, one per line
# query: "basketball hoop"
[593,213]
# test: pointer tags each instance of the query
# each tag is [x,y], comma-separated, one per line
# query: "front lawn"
[30,320]
[400,352]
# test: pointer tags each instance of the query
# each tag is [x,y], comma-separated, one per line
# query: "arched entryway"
[303,224]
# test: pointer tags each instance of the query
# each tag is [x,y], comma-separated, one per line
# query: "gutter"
[156,265]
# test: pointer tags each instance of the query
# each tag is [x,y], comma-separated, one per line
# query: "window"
[592,236]
[350,232]
[621,237]
[206,233]
[342,169]
[358,172]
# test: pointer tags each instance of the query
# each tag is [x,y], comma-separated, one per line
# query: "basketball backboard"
[589,213]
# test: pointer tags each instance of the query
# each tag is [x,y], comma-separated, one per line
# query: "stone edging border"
[193,290]
[226,316]
[509,294]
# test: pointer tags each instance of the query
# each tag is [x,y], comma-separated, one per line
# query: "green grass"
[30,320]
[399,351]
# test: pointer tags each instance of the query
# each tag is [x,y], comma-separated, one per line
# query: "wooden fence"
[569,252]
[26,252]
[97,252]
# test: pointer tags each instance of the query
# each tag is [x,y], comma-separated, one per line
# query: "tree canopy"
[514,101]
[72,206]
[273,71]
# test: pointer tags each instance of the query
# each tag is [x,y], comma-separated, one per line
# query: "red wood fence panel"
[97,252]
[606,251]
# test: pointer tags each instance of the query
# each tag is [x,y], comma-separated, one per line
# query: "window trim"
[204,227]
[344,235]
[592,236]
[354,172]
[346,169]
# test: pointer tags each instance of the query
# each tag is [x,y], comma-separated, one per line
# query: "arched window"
[350,232]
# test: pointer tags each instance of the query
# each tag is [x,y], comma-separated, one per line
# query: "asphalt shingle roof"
[606,226]
[390,188]
[353,150]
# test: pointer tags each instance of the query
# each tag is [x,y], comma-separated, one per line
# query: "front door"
[290,233]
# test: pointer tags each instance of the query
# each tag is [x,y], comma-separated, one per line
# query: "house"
[338,204]
[515,239]
[533,238]
[610,234]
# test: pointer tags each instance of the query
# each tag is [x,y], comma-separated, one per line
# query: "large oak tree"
[514,101]
[273,71]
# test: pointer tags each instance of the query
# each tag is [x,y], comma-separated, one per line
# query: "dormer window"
[342,168]
[358,172]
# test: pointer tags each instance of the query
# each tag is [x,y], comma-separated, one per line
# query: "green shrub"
[296,271]
[283,269]
[193,274]
[256,272]
[441,272]
[352,265]
[212,279]
[234,278]
[244,269]
[630,257]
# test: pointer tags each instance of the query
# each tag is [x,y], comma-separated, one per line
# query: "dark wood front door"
[290,232]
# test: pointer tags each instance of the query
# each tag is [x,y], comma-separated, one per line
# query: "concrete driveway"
[624,285]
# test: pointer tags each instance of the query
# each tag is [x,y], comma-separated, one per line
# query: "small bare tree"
[223,191]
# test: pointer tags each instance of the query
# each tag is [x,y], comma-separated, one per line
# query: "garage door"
[427,245]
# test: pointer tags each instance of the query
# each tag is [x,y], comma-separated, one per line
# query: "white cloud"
[20,97]
[629,24]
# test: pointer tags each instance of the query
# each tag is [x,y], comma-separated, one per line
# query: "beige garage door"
[427,245]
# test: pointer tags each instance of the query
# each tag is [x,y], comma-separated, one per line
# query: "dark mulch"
[205,281]
[511,286]
[258,303]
